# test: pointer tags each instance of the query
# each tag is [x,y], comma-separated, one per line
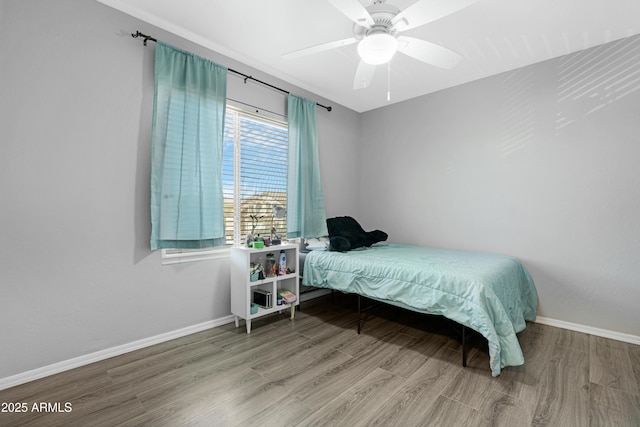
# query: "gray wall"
[76,272]
[540,163]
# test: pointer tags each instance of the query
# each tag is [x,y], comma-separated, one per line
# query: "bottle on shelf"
[270,267]
[282,270]
[261,268]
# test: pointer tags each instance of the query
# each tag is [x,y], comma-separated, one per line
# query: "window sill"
[173,256]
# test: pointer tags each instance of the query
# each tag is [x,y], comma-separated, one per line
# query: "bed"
[491,294]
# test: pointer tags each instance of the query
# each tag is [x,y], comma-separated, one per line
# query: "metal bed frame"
[463,332]
[361,323]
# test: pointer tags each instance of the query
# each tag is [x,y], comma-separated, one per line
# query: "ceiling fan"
[377,29]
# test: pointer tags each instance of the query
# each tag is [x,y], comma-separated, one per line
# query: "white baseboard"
[618,336]
[76,362]
[314,294]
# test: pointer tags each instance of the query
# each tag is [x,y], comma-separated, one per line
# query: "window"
[254,176]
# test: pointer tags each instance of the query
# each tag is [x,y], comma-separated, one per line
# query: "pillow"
[348,228]
[321,244]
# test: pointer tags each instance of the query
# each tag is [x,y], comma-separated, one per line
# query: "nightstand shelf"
[242,288]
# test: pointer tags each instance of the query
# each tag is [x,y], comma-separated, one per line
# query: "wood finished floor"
[404,369]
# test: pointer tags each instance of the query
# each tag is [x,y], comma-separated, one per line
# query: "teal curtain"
[186,150]
[305,200]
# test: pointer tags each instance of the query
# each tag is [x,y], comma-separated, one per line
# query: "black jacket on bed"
[345,233]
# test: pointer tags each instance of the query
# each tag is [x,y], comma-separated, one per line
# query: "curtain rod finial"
[146,37]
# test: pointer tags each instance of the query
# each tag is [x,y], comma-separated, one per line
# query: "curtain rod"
[246,76]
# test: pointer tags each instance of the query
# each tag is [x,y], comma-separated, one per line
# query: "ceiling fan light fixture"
[376,49]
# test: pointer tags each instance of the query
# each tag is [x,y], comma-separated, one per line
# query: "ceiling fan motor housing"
[382,14]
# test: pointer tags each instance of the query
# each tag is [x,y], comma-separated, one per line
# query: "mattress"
[489,293]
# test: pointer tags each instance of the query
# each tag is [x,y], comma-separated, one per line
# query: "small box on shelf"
[287,296]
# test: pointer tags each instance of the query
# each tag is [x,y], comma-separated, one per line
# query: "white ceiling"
[492,35]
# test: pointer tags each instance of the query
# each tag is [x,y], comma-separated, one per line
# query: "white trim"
[66,365]
[169,257]
[316,293]
[618,336]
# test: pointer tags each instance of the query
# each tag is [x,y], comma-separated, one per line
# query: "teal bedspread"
[491,294]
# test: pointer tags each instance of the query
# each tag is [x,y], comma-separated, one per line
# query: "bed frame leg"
[359,315]
[464,346]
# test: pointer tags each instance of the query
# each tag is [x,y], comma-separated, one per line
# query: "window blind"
[254,174]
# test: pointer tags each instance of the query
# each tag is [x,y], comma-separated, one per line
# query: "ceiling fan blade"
[428,52]
[355,11]
[319,48]
[425,11]
[364,75]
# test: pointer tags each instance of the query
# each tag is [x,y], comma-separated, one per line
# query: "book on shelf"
[287,296]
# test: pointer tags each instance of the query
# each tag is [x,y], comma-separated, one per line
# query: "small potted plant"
[254,271]
[254,223]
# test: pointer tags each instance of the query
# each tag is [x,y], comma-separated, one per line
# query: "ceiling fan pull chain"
[389,81]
